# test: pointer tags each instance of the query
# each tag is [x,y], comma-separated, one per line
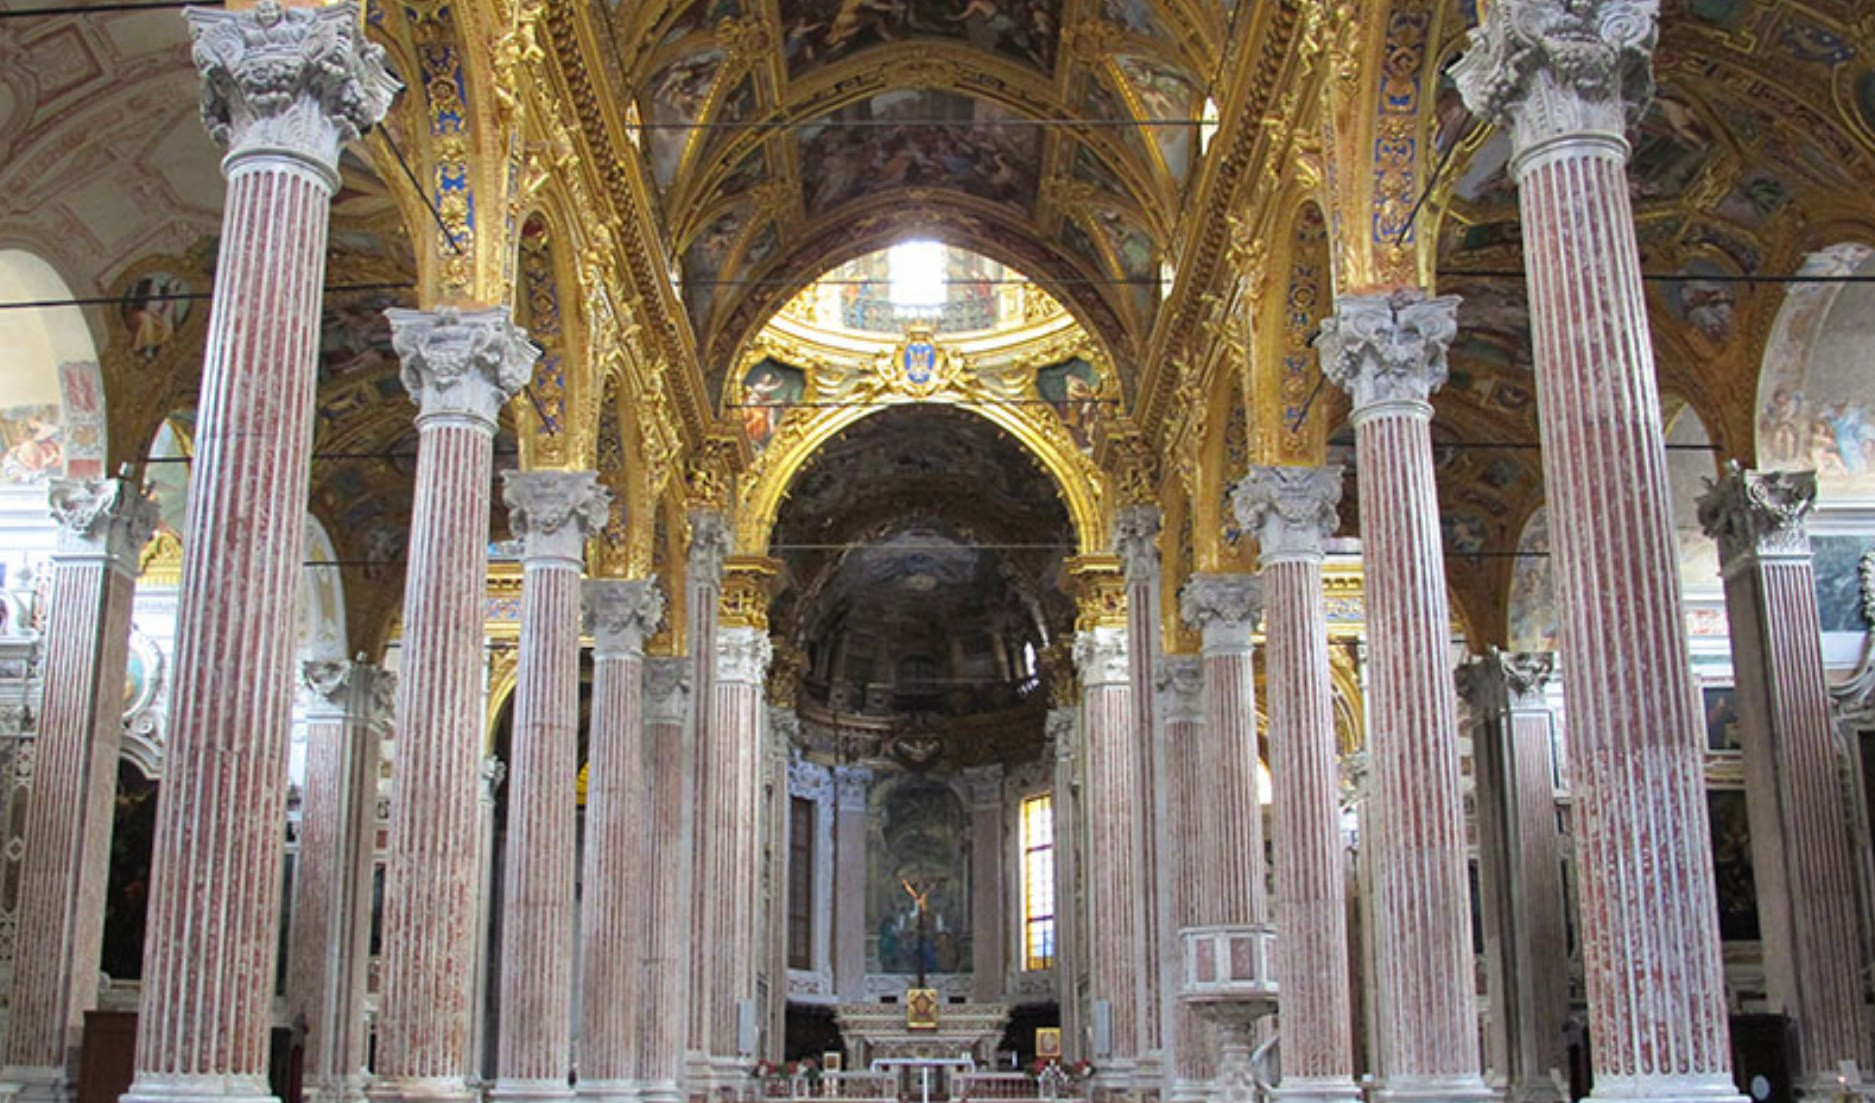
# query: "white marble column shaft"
[1800,820]
[1115,895]
[615,925]
[348,706]
[459,367]
[553,513]
[1388,353]
[103,525]
[283,89]
[1520,867]
[663,1023]
[1291,511]
[1568,78]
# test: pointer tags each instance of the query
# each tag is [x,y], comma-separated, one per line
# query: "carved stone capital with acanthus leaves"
[1560,69]
[1225,607]
[104,519]
[1178,689]
[621,613]
[294,82]
[554,513]
[742,655]
[667,690]
[709,547]
[1758,515]
[1388,351]
[461,365]
[1136,538]
[1498,681]
[1290,510]
[1100,656]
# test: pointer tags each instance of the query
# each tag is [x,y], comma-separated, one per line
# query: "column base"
[1432,1089]
[340,1089]
[609,1091]
[505,1090]
[1715,1088]
[36,1084]
[421,1089]
[151,1087]
[1326,1089]
[1190,1091]
[661,1091]
[1548,1089]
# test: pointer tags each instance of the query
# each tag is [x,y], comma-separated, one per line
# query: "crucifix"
[920,894]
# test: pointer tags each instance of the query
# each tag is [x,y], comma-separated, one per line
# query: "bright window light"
[917,269]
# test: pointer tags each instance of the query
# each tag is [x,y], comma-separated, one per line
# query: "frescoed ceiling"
[786,136]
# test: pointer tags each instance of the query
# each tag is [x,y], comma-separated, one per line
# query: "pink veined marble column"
[988,852]
[1234,888]
[1388,352]
[614,923]
[709,547]
[1800,822]
[1520,866]
[1135,538]
[728,795]
[781,733]
[849,903]
[1115,911]
[1291,512]
[103,524]
[1071,962]
[666,848]
[1192,865]
[459,366]
[552,513]
[1568,78]
[283,89]
[347,706]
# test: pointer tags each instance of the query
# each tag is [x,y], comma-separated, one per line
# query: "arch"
[546,409]
[51,393]
[1075,478]
[321,596]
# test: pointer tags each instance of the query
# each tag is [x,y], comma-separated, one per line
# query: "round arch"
[51,394]
[1080,483]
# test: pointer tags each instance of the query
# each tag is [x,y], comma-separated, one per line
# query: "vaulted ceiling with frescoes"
[786,136]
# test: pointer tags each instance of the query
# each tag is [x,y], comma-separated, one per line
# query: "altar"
[964,1037]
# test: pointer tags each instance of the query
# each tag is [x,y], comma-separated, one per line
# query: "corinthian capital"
[1100,656]
[742,655]
[1388,351]
[461,365]
[1757,515]
[1225,607]
[1498,681]
[1135,537]
[555,512]
[1178,689]
[709,546]
[622,613]
[1560,68]
[1290,510]
[667,690]
[101,518]
[296,82]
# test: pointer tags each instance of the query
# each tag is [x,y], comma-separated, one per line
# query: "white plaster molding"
[460,366]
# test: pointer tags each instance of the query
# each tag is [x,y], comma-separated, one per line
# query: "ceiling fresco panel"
[820,32]
[883,143]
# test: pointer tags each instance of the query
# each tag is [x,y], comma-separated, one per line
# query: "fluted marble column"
[1520,866]
[1568,76]
[1070,947]
[348,705]
[1135,538]
[283,89]
[103,524]
[1179,698]
[1291,512]
[662,1023]
[1225,608]
[1388,353]
[1115,897]
[553,513]
[984,784]
[615,926]
[849,898]
[459,367]
[709,548]
[729,776]
[1800,821]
